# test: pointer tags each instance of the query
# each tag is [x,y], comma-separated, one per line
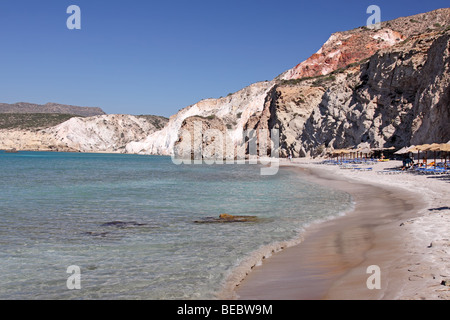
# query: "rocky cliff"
[385,87]
[233,111]
[105,133]
[344,48]
[400,96]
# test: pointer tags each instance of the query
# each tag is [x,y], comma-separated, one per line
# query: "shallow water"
[128,222]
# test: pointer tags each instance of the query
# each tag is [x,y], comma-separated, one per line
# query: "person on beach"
[408,163]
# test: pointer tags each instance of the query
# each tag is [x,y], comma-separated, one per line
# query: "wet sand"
[333,259]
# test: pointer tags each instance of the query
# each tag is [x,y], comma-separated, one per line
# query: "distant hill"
[25,107]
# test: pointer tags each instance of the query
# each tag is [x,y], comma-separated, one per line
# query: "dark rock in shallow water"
[226,218]
[96,234]
[123,224]
[115,229]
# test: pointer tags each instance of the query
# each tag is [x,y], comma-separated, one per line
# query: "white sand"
[422,243]
[428,266]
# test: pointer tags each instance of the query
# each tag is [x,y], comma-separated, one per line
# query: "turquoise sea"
[130,223]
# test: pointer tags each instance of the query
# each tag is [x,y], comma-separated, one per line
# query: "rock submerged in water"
[225,218]
[96,234]
[116,226]
[231,218]
[123,224]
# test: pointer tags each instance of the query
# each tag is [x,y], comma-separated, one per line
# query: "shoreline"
[384,229]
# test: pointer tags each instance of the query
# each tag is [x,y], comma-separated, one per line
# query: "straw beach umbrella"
[362,148]
[336,153]
[423,147]
[442,147]
[341,152]
[402,151]
[365,151]
[414,149]
[409,149]
[434,147]
[446,148]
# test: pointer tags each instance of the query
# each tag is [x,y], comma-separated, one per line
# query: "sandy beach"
[400,223]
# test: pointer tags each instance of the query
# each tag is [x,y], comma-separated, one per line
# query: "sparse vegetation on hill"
[158,121]
[27,121]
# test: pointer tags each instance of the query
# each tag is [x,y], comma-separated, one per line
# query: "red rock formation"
[342,49]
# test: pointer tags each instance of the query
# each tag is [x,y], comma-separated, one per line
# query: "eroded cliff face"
[386,87]
[233,110]
[105,133]
[400,96]
[397,97]
[344,48]
[204,138]
[30,140]
[432,102]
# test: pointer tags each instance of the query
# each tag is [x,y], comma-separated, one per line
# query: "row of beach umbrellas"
[430,147]
[363,150]
[434,147]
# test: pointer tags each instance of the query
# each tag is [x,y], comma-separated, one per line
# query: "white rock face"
[105,133]
[28,140]
[234,109]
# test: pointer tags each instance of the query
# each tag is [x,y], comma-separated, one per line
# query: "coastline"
[398,223]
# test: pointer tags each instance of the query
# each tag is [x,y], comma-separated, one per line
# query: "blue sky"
[156,57]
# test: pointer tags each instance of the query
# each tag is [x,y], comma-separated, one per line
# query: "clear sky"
[156,57]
